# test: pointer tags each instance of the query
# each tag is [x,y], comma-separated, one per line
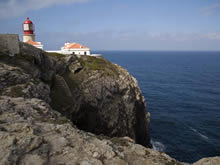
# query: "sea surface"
[182,90]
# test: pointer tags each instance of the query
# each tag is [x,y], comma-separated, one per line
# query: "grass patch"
[55,55]
[98,64]
[93,63]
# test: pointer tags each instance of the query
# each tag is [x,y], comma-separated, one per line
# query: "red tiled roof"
[74,46]
[32,42]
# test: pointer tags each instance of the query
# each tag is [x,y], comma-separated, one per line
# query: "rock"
[33,160]
[61,96]
[44,98]
[36,62]
[105,100]
[208,161]
[32,133]
[96,95]
[15,82]
[9,44]
[10,75]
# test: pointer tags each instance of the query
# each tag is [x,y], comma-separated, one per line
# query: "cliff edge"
[57,109]
[100,97]
[50,104]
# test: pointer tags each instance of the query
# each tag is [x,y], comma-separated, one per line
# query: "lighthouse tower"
[29,36]
[28,28]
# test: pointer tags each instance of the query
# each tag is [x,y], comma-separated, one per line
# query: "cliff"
[57,109]
[101,98]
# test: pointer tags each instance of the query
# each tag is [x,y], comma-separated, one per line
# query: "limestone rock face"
[96,95]
[32,133]
[35,62]
[105,99]
[208,161]
[15,82]
[44,97]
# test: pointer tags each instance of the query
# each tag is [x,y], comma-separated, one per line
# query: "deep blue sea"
[182,90]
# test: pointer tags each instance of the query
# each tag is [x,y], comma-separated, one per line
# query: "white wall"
[28,37]
[82,52]
[75,51]
[39,46]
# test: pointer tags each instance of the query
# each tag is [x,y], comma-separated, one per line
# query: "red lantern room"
[28,28]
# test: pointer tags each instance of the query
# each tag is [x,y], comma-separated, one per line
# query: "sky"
[179,25]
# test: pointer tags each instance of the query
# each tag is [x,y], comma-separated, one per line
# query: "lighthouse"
[28,28]
[29,36]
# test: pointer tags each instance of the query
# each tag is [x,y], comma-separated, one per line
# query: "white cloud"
[117,40]
[14,8]
[209,10]
[182,37]
[213,36]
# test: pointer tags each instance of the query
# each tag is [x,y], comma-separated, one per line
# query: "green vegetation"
[60,98]
[55,55]
[93,64]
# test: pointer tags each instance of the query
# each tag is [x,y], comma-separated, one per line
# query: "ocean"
[182,91]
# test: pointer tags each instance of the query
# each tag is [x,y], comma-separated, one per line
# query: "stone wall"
[9,44]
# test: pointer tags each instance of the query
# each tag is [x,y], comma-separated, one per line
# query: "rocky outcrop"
[104,99]
[208,161]
[49,103]
[32,133]
[15,82]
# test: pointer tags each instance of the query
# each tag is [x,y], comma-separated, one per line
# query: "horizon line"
[160,50]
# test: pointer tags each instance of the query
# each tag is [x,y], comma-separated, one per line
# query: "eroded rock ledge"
[102,98]
[32,133]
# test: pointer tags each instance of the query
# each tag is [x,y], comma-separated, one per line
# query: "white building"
[68,48]
[74,48]
[36,44]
